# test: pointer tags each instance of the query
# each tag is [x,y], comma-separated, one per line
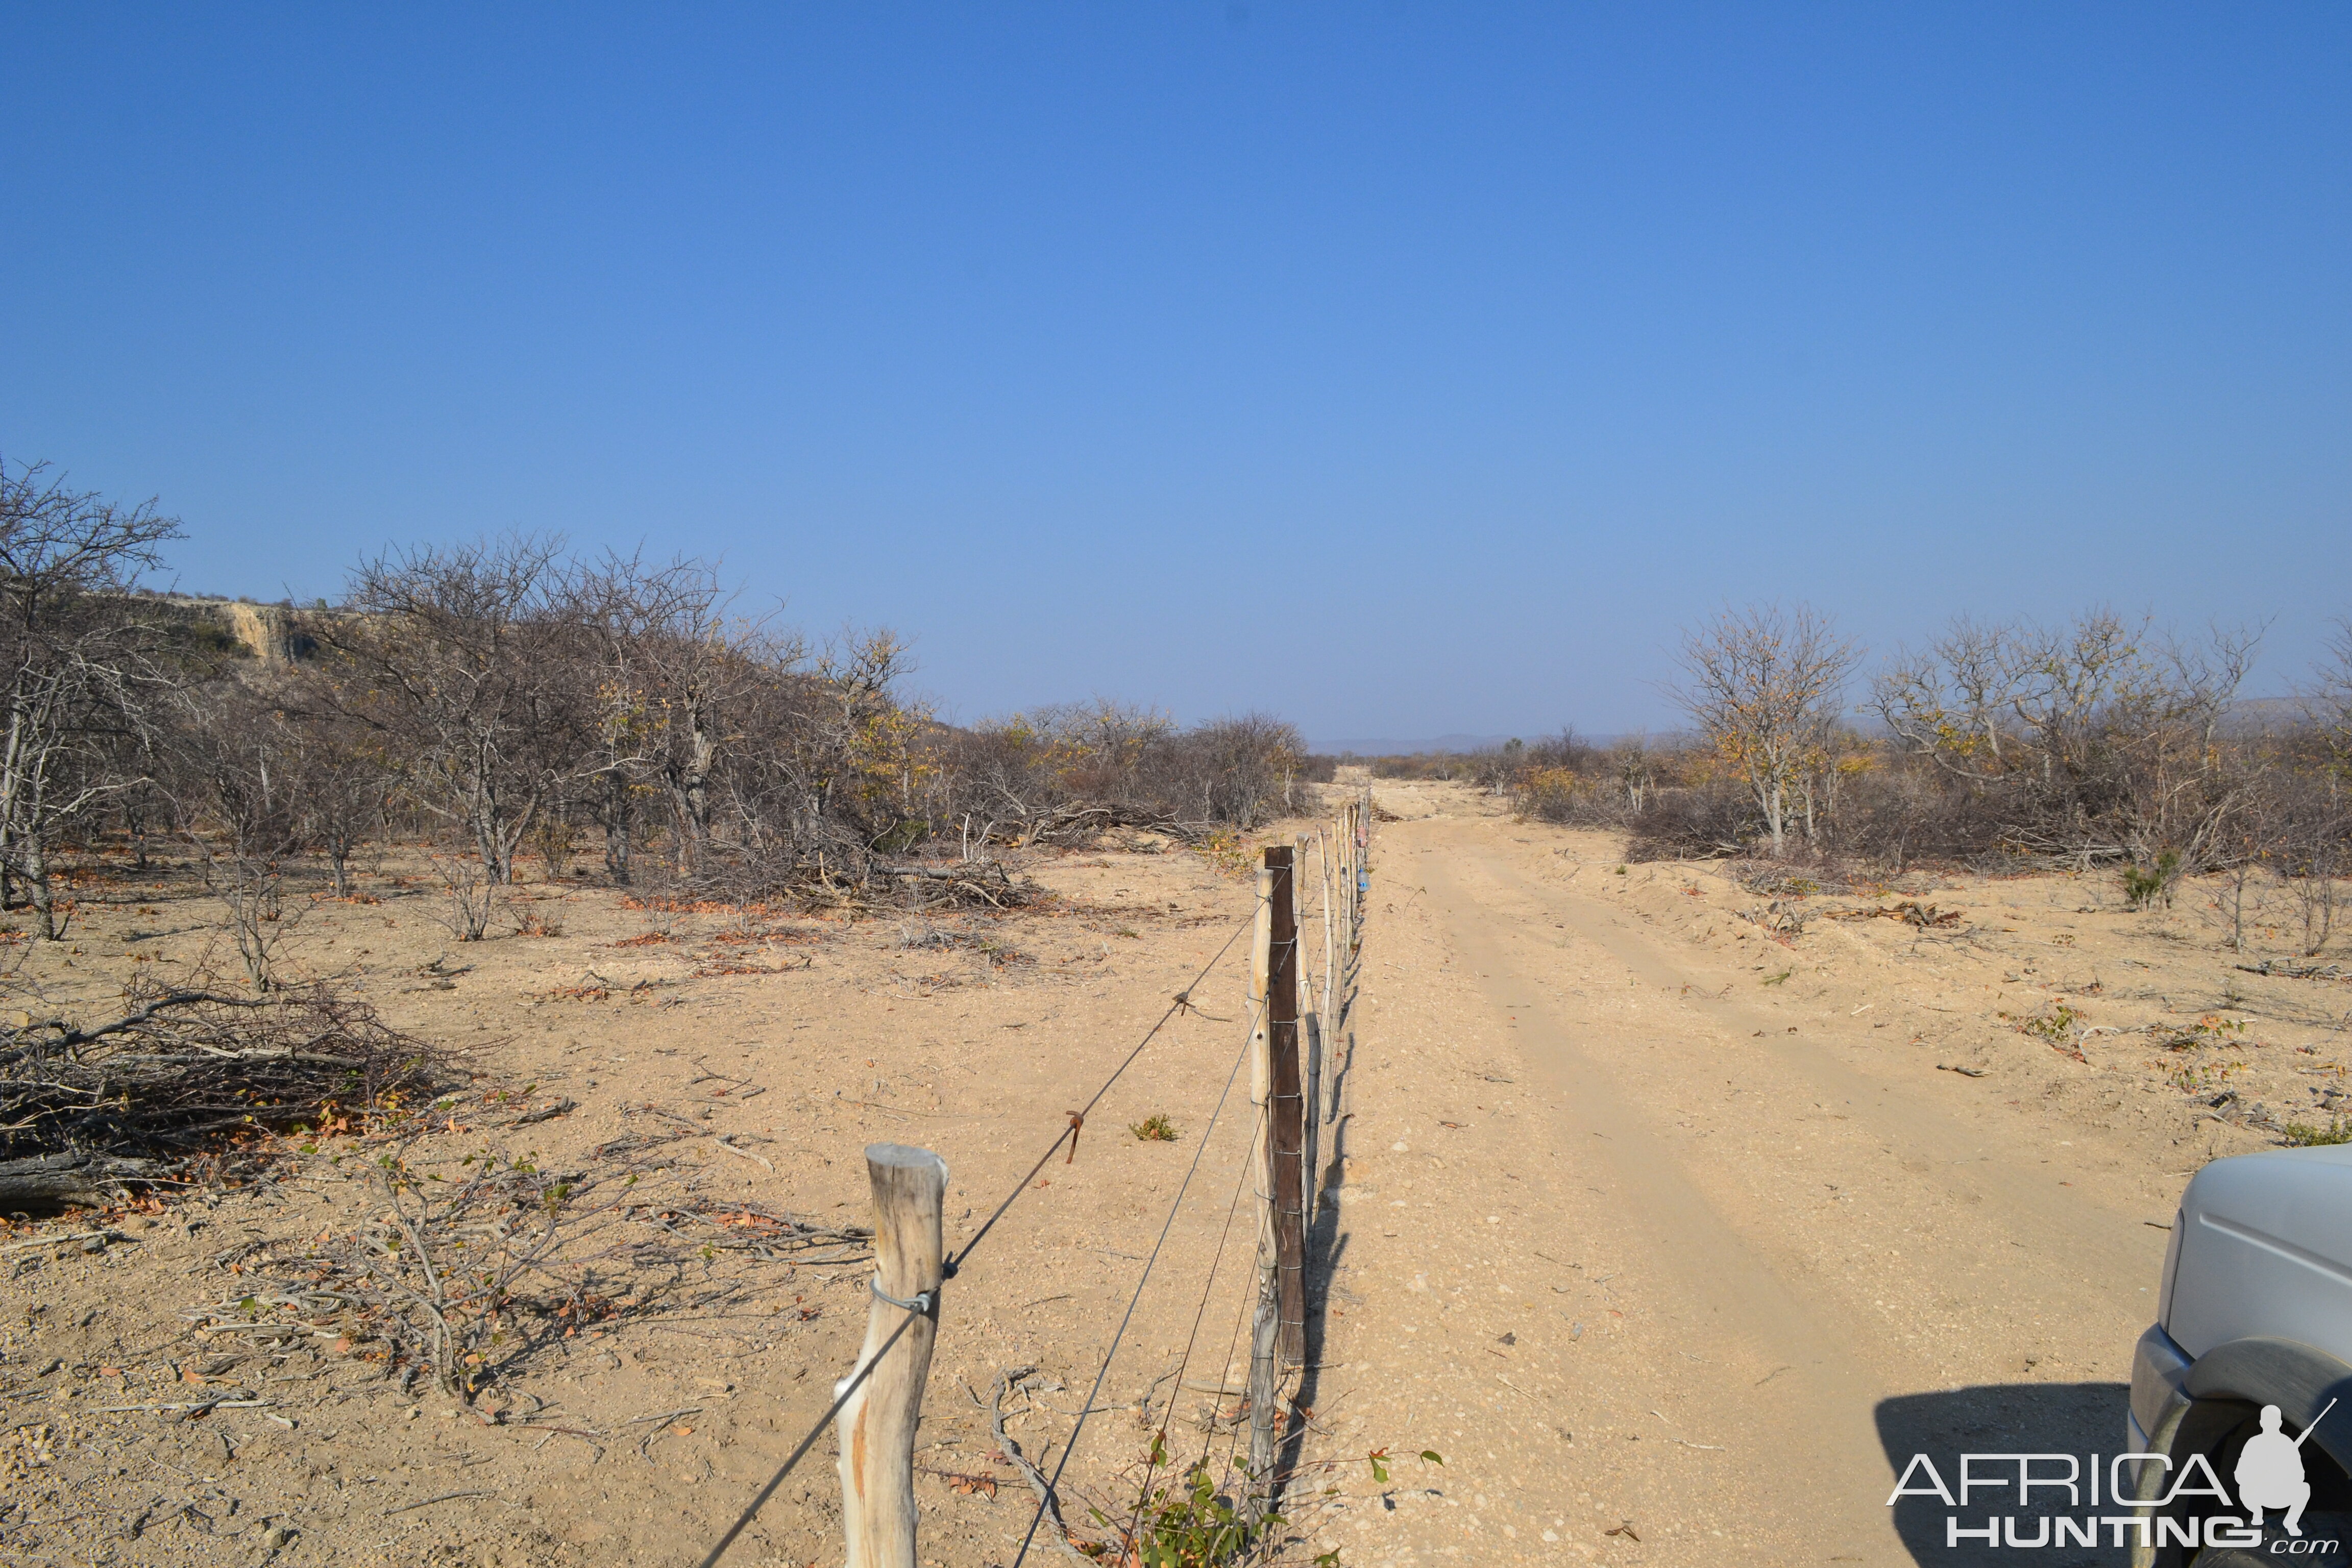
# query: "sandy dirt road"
[1675,1261]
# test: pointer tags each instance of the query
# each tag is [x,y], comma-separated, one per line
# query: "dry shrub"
[1707,822]
[469,896]
[467,1280]
[1066,775]
[2105,741]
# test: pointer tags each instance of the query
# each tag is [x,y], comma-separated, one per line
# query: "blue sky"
[1402,369]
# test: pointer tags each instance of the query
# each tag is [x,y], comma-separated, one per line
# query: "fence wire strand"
[1182,1000]
[949,1266]
[1208,1288]
[1053,1486]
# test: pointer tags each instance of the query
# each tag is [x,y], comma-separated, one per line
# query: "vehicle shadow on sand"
[2078,1418]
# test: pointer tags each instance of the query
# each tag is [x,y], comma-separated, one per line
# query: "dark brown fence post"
[1287,1107]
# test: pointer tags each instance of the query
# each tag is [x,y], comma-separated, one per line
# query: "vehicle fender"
[2297,1378]
[2159,1368]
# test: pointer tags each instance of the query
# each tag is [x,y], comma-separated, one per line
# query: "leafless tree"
[466,662]
[1763,685]
[2317,850]
[2310,861]
[470,899]
[679,672]
[1635,769]
[2098,737]
[343,781]
[1246,767]
[83,664]
[2327,700]
[238,791]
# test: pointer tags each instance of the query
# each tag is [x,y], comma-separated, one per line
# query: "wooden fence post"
[1356,894]
[1268,1313]
[1261,962]
[1261,1064]
[1310,1044]
[1286,1108]
[1332,960]
[877,1427]
[1339,875]
[1310,1147]
[1352,860]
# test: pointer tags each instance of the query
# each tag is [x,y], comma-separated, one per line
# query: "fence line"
[1289,1043]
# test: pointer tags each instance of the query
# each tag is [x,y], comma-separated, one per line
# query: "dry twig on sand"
[468,1279]
[1007,1380]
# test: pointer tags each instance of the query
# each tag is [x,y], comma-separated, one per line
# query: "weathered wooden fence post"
[1342,870]
[1266,1316]
[1352,862]
[1335,978]
[1285,1107]
[877,1427]
[1310,1054]
[1310,1042]
[1261,962]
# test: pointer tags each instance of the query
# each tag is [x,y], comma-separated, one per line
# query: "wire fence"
[1143,1280]
[1341,851]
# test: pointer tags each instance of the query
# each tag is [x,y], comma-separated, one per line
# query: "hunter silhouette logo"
[2270,1472]
[2149,1498]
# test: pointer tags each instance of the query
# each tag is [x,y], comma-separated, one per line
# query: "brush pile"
[87,1110]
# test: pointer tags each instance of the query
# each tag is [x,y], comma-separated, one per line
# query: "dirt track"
[1656,1227]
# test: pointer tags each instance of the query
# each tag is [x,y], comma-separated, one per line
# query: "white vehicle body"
[2254,1309]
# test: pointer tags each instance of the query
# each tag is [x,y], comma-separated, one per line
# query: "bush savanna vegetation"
[2103,742]
[509,700]
[496,713]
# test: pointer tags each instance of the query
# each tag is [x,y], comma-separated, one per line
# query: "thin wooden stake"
[1329,1014]
[877,1427]
[1310,1046]
[1261,1066]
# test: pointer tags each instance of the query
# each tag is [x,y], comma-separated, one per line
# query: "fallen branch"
[1005,1383]
[2285,969]
[200,1405]
[744,1155]
[428,1503]
[52,1181]
[62,1240]
[475,1277]
[661,1427]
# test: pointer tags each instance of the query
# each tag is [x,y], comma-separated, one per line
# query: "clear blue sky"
[1400,368]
